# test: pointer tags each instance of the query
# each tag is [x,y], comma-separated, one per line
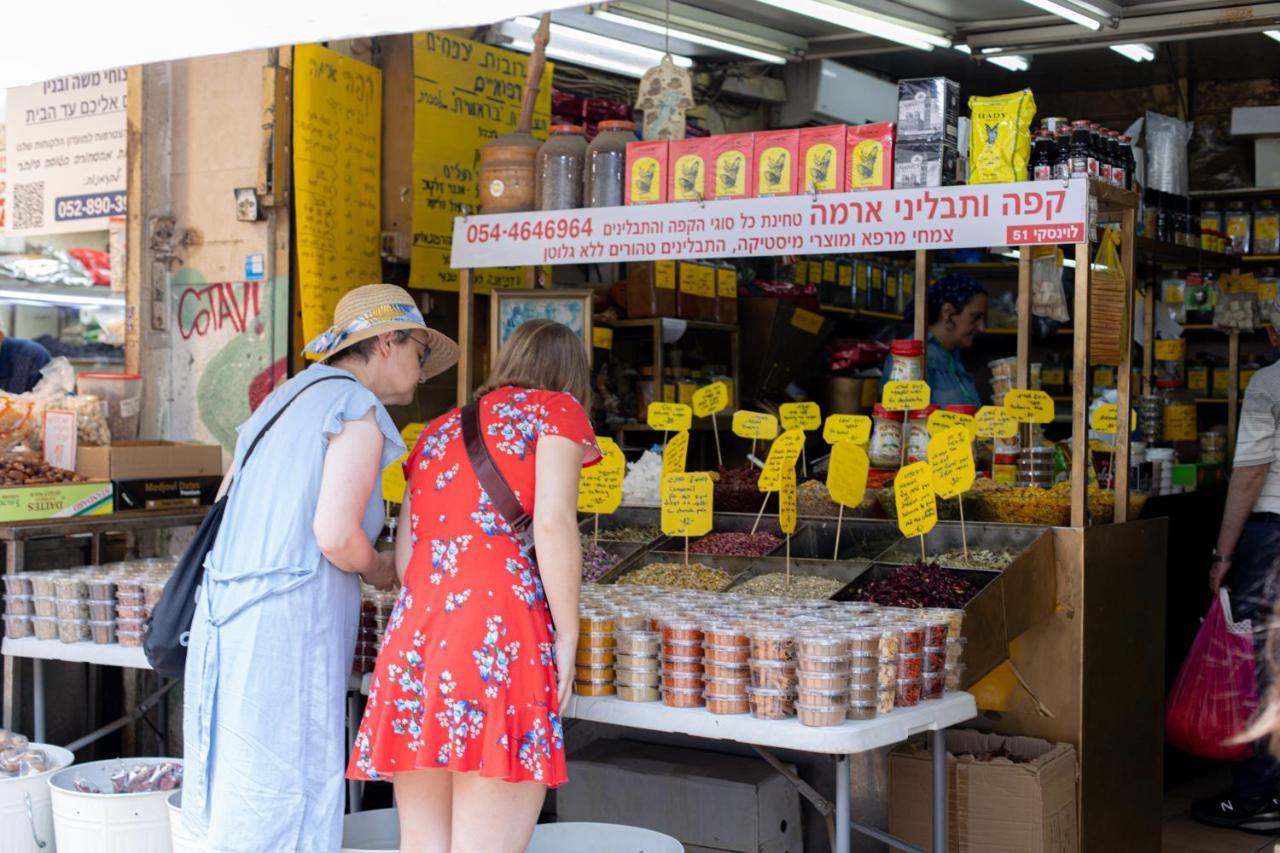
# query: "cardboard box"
[733,155]
[691,175]
[132,460]
[706,800]
[869,154]
[776,155]
[1266,162]
[999,805]
[166,492]
[822,157]
[647,172]
[928,108]
[925,163]
[58,500]
[1255,121]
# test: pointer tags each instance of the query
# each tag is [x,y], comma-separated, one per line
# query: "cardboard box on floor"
[993,806]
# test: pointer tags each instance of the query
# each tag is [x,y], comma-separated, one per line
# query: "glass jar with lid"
[1238,222]
[908,361]
[918,434]
[885,449]
[1171,360]
[1210,222]
[1266,228]
[607,163]
[1268,290]
[559,169]
[1178,414]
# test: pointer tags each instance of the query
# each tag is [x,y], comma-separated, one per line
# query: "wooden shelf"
[1239,191]
[1060,331]
[865,313]
[1217,400]
[651,322]
[1113,196]
[1261,259]
[1182,255]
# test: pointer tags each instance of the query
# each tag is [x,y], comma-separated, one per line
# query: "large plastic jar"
[885,448]
[122,393]
[908,361]
[559,169]
[1266,228]
[918,434]
[607,164]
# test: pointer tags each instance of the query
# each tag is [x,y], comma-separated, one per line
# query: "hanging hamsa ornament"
[666,95]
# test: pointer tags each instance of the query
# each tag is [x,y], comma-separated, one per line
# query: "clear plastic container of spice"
[918,434]
[682,697]
[864,709]
[771,644]
[606,163]
[908,361]
[18,626]
[769,704]
[18,583]
[720,703]
[777,675]
[46,627]
[559,169]
[885,449]
[73,630]
[821,715]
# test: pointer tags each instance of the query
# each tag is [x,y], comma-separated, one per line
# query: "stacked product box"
[927,153]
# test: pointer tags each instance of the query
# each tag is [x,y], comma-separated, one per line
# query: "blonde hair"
[544,355]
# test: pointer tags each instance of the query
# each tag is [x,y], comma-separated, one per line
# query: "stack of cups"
[637,658]
[131,609]
[864,669]
[682,666]
[726,650]
[102,607]
[772,664]
[910,684]
[935,658]
[19,605]
[1162,460]
[72,607]
[595,658]
[889,640]
[824,679]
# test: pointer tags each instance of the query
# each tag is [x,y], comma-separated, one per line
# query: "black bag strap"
[257,438]
[491,479]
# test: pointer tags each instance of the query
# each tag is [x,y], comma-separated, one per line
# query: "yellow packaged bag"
[1000,137]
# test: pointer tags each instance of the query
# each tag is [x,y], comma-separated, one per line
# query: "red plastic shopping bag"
[1216,694]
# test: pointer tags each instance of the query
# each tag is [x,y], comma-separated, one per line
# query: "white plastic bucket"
[180,839]
[26,817]
[376,831]
[108,823]
[595,837]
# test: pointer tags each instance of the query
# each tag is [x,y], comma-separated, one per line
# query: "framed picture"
[508,309]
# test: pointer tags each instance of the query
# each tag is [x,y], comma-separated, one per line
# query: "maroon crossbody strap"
[492,481]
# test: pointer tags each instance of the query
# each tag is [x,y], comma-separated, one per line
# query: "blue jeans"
[1253,583]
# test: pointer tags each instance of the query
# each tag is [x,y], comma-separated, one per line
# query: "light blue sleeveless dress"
[273,635]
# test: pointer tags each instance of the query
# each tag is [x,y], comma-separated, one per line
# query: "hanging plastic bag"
[1048,299]
[1216,693]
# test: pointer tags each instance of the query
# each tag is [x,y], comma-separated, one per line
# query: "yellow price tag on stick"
[914,498]
[602,337]
[669,417]
[393,482]
[1105,418]
[687,504]
[847,474]
[787,503]
[803,416]
[600,489]
[710,399]
[942,420]
[994,422]
[951,458]
[755,425]
[782,458]
[675,453]
[905,396]
[854,428]
[1028,406]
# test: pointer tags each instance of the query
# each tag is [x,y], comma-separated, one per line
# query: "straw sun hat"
[372,310]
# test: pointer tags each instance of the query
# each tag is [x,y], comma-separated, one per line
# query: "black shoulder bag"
[170,623]
[492,481]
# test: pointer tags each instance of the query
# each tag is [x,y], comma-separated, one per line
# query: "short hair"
[543,355]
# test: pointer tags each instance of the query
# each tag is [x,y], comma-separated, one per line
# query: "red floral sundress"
[466,676]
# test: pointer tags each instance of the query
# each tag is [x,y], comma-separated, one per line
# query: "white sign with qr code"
[65,150]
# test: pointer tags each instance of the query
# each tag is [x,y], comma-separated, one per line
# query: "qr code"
[28,205]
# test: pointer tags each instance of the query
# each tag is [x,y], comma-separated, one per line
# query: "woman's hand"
[566,652]
[383,573]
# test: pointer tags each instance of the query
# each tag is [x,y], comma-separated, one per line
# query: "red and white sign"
[60,439]
[961,217]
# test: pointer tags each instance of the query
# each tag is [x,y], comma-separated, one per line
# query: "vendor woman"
[956,314]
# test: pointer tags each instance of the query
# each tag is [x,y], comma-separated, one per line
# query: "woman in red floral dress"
[464,708]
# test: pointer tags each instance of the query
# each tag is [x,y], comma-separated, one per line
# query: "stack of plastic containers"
[596,655]
[637,650]
[19,605]
[772,665]
[726,649]
[682,673]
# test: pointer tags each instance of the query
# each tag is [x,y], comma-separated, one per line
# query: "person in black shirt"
[20,364]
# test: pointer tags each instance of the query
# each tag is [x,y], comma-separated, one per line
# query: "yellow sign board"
[602,337]
[710,399]
[854,428]
[1028,406]
[847,473]
[782,458]
[951,458]
[1174,349]
[755,425]
[669,417]
[787,503]
[805,416]
[904,396]
[913,496]
[675,453]
[687,504]
[942,420]
[807,321]
[1180,423]
[393,483]
[1105,418]
[994,422]
[337,179]
[465,94]
[600,489]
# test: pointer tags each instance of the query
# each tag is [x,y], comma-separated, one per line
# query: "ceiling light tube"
[583,48]
[1012,62]
[35,297]
[1136,52]
[1275,34]
[689,36]
[849,18]
[1064,12]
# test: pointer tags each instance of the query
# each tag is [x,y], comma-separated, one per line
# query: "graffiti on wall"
[229,351]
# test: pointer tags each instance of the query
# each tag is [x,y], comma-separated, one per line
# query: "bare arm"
[1242,492]
[350,474]
[555,536]
[404,536]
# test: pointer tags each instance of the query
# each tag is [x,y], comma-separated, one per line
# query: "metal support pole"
[939,746]
[162,717]
[843,841]
[37,677]
[14,554]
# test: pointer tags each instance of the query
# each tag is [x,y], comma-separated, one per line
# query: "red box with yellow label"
[731,154]
[776,169]
[869,154]
[822,152]
[691,173]
[647,172]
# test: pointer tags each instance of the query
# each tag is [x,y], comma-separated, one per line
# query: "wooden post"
[1124,381]
[920,330]
[1079,389]
[1022,376]
[466,335]
[1233,392]
[1152,293]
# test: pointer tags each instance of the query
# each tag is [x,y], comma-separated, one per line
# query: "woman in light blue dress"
[275,624]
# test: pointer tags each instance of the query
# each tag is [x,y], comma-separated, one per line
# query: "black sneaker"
[1261,816]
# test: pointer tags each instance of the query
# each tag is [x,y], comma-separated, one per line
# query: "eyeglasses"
[426,351]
